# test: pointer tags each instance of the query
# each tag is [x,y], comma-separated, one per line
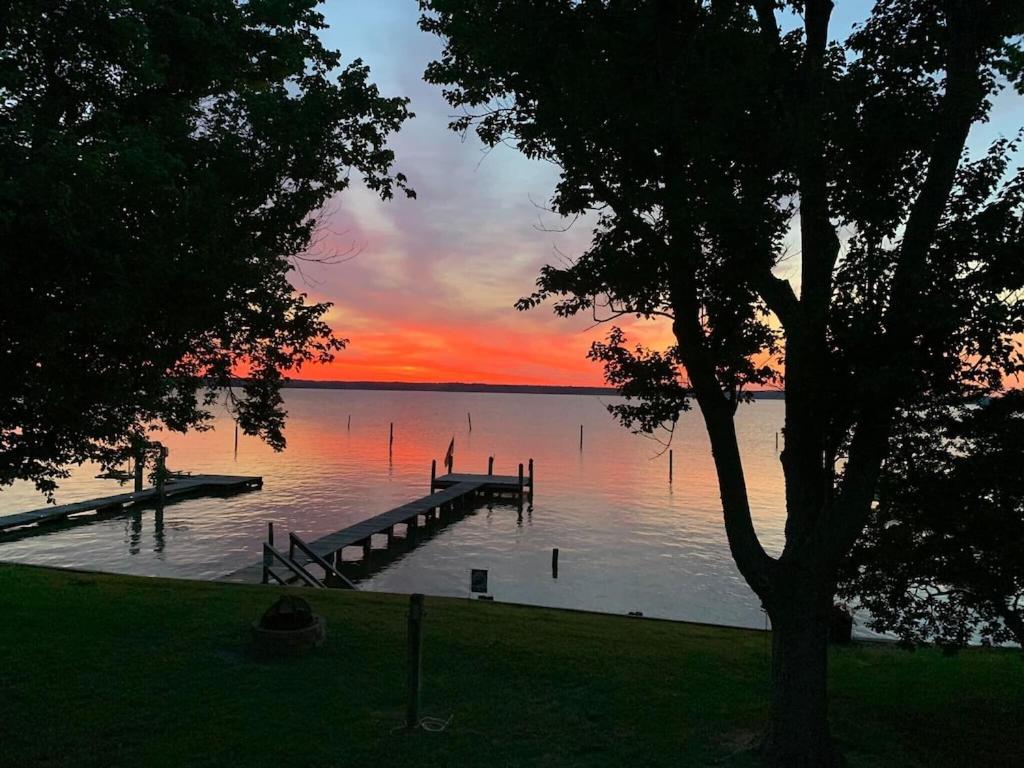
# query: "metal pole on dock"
[490,465]
[670,466]
[412,711]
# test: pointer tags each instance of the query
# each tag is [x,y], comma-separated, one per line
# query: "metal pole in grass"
[412,711]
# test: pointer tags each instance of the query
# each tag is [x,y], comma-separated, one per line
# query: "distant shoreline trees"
[161,165]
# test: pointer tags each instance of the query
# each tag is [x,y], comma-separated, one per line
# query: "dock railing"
[270,554]
[330,572]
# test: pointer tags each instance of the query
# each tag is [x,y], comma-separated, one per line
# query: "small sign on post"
[478,580]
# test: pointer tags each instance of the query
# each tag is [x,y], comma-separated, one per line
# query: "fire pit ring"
[288,627]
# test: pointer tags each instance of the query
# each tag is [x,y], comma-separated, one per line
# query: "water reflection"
[628,540]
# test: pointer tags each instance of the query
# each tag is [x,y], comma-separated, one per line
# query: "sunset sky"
[428,294]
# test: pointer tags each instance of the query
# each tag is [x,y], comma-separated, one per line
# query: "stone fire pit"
[288,627]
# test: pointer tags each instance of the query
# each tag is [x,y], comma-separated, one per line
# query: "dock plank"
[326,546]
[173,490]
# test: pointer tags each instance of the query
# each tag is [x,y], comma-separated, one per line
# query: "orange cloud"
[492,353]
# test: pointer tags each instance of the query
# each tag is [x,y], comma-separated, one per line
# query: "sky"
[427,288]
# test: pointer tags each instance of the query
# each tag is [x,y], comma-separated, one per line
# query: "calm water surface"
[628,540]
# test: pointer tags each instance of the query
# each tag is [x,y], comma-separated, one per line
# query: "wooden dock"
[174,490]
[450,494]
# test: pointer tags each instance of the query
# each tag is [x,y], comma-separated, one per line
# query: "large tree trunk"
[798,735]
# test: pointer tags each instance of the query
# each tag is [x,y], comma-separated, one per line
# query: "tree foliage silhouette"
[699,134]
[161,164]
[940,559]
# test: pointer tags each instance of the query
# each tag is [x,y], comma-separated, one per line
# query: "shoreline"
[461,387]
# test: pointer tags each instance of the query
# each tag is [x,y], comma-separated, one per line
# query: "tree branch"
[754,563]
[956,114]
[765,10]
[778,295]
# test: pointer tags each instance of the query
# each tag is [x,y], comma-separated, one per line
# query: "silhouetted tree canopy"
[942,557]
[782,198]
[161,164]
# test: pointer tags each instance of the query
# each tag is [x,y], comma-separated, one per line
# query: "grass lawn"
[100,670]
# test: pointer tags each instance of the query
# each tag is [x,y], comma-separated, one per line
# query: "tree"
[161,166]
[699,133]
[940,559]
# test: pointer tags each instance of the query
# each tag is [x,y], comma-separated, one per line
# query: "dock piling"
[161,472]
[531,481]
[140,465]
[581,438]
[270,533]
[433,473]
[490,465]
[554,563]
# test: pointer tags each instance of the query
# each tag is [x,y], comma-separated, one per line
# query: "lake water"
[628,540]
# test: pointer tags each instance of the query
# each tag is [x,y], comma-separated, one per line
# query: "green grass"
[100,670]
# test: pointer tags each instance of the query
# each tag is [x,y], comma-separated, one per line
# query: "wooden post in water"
[349,426]
[520,483]
[581,438]
[776,440]
[433,473]
[469,418]
[670,466]
[140,466]
[236,441]
[554,563]
[161,471]
[531,481]
[391,437]
[412,710]
[490,465]
[270,533]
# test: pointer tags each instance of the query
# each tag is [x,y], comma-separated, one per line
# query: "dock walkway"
[454,492]
[174,490]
